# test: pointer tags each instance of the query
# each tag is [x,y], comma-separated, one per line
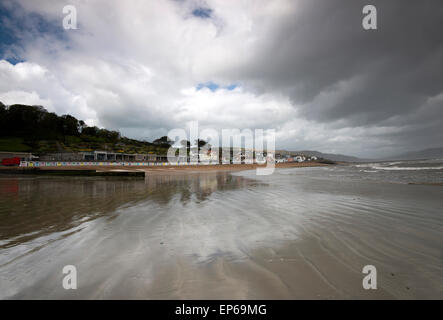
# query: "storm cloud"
[306,68]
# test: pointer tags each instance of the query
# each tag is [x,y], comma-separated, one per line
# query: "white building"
[300,158]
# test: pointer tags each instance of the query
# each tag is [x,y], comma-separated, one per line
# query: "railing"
[37,164]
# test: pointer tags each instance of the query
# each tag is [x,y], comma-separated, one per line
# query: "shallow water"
[299,233]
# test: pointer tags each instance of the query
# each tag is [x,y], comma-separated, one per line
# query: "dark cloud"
[324,60]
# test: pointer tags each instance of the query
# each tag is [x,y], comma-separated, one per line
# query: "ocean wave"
[371,165]
[406,168]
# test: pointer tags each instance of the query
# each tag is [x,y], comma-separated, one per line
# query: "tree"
[34,124]
[25,121]
[108,135]
[3,113]
[69,125]
[81,126]
[91,131]
[200,144]
[163,141]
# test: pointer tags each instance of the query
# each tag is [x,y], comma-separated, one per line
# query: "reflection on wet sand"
[108,226]
[295,234]
[162,187]
[40,206]
[32,207]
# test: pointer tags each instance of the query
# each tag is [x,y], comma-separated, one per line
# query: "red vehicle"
[11,161]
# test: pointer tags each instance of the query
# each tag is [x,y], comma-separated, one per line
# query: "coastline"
[195,234]
[139,171]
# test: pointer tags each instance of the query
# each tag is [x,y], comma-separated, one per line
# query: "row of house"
[211,156]
[293,158]
[103,156]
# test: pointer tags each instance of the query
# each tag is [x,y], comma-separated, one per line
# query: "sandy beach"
[188,168]
[301,233]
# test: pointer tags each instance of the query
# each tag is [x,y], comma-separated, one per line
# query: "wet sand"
[296,234]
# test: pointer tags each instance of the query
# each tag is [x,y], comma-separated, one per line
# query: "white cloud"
[23,97]
[134,67]
[31,83]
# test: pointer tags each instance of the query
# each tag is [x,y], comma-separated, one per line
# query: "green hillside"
[26,128]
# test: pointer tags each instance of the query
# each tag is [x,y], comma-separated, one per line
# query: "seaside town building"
[101,157]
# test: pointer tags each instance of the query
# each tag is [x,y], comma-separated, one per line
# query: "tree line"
[35,123]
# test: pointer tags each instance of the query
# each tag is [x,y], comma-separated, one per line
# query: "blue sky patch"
[203,13]
[210,85]
[14,60]
[7,38]
[214,86]
[16,28]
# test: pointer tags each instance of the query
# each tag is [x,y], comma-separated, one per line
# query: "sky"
[305,68]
